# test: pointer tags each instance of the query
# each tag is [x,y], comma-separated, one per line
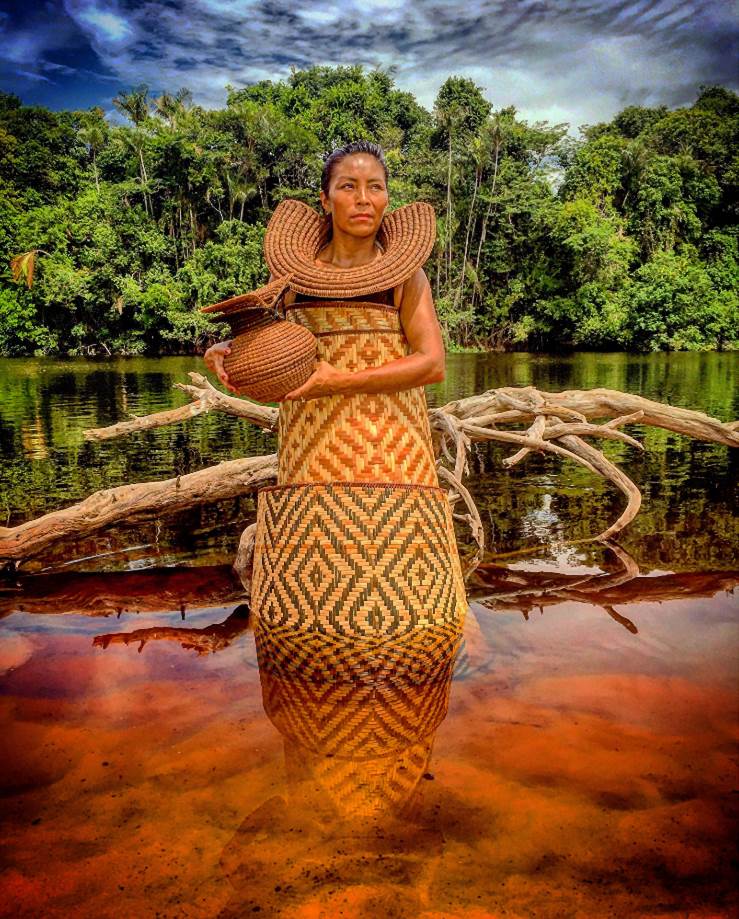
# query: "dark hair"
[337,155]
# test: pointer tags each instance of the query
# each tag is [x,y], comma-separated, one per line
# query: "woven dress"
[356,539]
[357,595]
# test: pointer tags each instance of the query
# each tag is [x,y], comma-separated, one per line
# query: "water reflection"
[358,719]
[206,640]
[500,588]
[358,722]
[547,761]
[688,519]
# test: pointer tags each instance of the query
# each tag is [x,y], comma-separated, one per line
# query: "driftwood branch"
[206,640]
[137,502]
[504,590]
[472,519]
[594,403]
[185,591]
[206,398]
[179,592]
[555,423]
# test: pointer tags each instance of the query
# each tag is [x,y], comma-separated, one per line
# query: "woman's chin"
[360,228]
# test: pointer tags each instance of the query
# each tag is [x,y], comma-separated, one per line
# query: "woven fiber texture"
[297,233]
[346,317]
[358,718]
[364,560]
[268,297]
[355,699]
[270,358]
[357,587]
[382,437]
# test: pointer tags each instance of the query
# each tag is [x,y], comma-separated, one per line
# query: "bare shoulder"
[412,290]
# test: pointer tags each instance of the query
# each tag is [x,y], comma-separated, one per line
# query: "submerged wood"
[180,590]
[503,590]
[205,640]
[556,423]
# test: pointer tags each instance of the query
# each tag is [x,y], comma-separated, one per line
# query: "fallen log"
[137,502]
[180,590]
[556,423]
[595,403]
[206,640]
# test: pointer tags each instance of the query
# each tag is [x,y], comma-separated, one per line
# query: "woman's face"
[357,195]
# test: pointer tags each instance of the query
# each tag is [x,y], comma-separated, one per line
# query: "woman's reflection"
[358,720]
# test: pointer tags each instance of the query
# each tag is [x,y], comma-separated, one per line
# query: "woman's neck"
[345,251]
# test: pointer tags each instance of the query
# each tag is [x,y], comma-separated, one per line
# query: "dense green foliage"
[623,239]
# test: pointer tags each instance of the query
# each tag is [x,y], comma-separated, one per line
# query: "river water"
[571,753]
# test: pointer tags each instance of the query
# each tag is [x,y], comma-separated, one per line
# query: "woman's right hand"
[213,358]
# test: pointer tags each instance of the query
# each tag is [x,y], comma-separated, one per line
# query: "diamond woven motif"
[356,438]
[337,318]
[357,589]
[358,716]
[366,559]
[381,437]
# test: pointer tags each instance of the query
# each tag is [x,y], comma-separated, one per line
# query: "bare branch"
[455,427]
[472,519]
[206,398]
[536,431]
[607,469]
[134,502]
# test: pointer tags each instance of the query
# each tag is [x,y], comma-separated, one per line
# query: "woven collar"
[297,233]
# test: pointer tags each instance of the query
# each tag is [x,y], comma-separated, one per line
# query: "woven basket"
[270,358]
[269,355]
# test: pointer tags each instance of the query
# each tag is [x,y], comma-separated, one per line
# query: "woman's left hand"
[325,380]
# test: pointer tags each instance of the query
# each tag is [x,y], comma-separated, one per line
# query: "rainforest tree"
[113,235]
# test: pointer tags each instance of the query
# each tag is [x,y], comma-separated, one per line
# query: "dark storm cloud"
[570,60]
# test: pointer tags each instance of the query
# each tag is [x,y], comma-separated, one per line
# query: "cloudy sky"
[577,61]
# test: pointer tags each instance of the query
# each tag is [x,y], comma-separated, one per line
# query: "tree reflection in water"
[359,824]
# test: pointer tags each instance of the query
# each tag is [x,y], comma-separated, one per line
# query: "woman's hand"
[325,380]
[213,358]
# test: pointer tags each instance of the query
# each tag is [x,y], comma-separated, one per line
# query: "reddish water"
[585,767]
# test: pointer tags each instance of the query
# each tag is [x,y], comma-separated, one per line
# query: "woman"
[357,536]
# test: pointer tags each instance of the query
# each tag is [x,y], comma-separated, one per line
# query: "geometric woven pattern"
[357,588]
[345,316]
[358,718]
[355,721]
[379,437]
[352,788]
[367,560]
[323,656]
[370,438]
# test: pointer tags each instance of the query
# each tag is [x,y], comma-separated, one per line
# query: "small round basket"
[270,356]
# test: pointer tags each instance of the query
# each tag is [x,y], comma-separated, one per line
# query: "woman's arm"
[425,363]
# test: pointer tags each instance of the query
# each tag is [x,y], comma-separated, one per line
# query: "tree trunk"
[488,212]
[144,180]
[449,217]
[460,287]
